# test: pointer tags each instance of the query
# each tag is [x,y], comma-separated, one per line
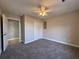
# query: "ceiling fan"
[43,8]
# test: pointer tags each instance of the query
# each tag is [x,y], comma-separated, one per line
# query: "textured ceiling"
[21,7]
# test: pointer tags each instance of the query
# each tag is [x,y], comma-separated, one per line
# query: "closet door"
[29,30]
[33,29]
[38,29]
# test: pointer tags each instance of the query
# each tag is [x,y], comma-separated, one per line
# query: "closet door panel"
[29,30]
[38,29]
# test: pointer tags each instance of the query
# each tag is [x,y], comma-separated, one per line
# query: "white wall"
[33,29]
[63,28]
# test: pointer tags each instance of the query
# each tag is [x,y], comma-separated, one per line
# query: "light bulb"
[40,13]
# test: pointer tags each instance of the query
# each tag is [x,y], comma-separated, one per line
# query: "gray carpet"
[41,49]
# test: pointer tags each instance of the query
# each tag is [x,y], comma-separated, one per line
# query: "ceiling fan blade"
[51,9]
[36,11]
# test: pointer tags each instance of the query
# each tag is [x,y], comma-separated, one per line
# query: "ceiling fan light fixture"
[42,8]
[43,11]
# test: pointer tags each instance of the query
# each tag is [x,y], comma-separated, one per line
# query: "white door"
[5,32]
[38,29]
[29,30]
[33,29]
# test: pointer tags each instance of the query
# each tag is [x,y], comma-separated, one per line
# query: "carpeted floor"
[41,49]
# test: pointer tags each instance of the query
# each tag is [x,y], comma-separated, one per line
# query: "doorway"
[13,26]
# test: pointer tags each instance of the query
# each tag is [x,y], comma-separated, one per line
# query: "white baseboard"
[13,38]
[66,43]
[26,42]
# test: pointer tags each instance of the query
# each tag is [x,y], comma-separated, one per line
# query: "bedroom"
[39,29]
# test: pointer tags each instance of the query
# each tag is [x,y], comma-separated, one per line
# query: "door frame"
[19,28]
